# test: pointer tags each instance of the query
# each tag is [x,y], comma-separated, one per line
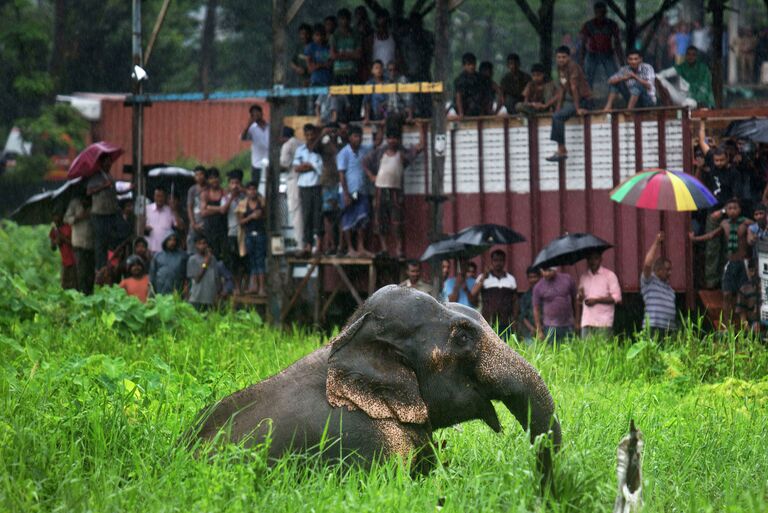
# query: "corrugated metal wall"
[495,172]
[207,131]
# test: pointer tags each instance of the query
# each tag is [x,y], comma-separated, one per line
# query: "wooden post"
[276,263]
[717,7]
[438,136]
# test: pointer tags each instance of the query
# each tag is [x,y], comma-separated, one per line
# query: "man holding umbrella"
[104,209]
[499,293]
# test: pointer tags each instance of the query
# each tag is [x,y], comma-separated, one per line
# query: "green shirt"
[344,44]
[700,80]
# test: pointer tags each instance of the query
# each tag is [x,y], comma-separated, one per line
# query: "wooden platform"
[713,303]
[338,263]
[248,301]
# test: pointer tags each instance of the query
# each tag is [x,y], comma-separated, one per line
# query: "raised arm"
[703,138]
[651,255]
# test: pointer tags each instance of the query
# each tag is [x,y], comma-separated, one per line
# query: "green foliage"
[58,130]
[96,392]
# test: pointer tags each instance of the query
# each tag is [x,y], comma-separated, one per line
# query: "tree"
[633,29]
[542,24]
[207,50]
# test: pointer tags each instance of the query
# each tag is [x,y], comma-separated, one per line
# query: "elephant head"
[406,357]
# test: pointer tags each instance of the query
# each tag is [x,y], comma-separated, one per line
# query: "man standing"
[235,258]
[598,294]
[257,132]
[346,49]
[498,291]
[104,210]
[414,280]
[574,98]
[600,44]
[385,167]
[161,221]
[78,215]
[527,327]
[757,231]
[458,289]
[203,276]
[635,82]
[308,167]
[513,83]
[554,304]
[290,143]
[194,212]
[356,211]
[658,295]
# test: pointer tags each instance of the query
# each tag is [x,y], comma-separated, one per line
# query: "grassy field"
[94,393]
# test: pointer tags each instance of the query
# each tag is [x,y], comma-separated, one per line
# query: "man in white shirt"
[308,166]
[257,132]
[287,152]
[160,221]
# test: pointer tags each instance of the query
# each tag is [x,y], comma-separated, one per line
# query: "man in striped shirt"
[635,82]
[658,295]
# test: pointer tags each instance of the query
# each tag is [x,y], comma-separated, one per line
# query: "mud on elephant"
[403,366]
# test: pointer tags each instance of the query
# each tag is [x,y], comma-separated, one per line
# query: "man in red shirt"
[600,45]
[61,238]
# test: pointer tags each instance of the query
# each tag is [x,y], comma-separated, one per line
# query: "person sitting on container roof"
[635,82]
[574,98]
[539,95]
[514,84]
[470,88]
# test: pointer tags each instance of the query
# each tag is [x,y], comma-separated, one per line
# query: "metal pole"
[138,122]
[276,263]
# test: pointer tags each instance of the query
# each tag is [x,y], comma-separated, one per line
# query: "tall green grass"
[95,392]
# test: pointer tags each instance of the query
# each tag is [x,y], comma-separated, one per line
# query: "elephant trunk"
[512,380]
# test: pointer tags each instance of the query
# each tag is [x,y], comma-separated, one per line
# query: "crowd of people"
[555,307]
[209,249]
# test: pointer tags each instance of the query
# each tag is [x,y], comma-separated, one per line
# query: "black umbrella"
[488,234]
[39,209]
[569,249]
[449,248]
[754,129]
[175,180]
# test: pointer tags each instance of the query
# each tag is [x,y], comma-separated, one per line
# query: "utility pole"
[439,136]
[137,106]
[276,263]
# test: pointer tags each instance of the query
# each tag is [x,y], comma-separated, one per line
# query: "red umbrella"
[87,163]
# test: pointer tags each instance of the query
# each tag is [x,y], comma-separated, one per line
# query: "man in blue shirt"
[354,185]
[309,166]
[456,289]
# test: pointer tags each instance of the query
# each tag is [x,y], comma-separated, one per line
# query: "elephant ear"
[366,371]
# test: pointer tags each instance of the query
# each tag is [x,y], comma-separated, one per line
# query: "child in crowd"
[168,268]
[251,216]
[539,95]
[61,238]
[748,299]
[203,276]
[734,228]
[137,282]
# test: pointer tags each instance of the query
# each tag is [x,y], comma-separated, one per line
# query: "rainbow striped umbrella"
[659,189]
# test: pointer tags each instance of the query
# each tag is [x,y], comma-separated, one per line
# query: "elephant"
[404,365]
